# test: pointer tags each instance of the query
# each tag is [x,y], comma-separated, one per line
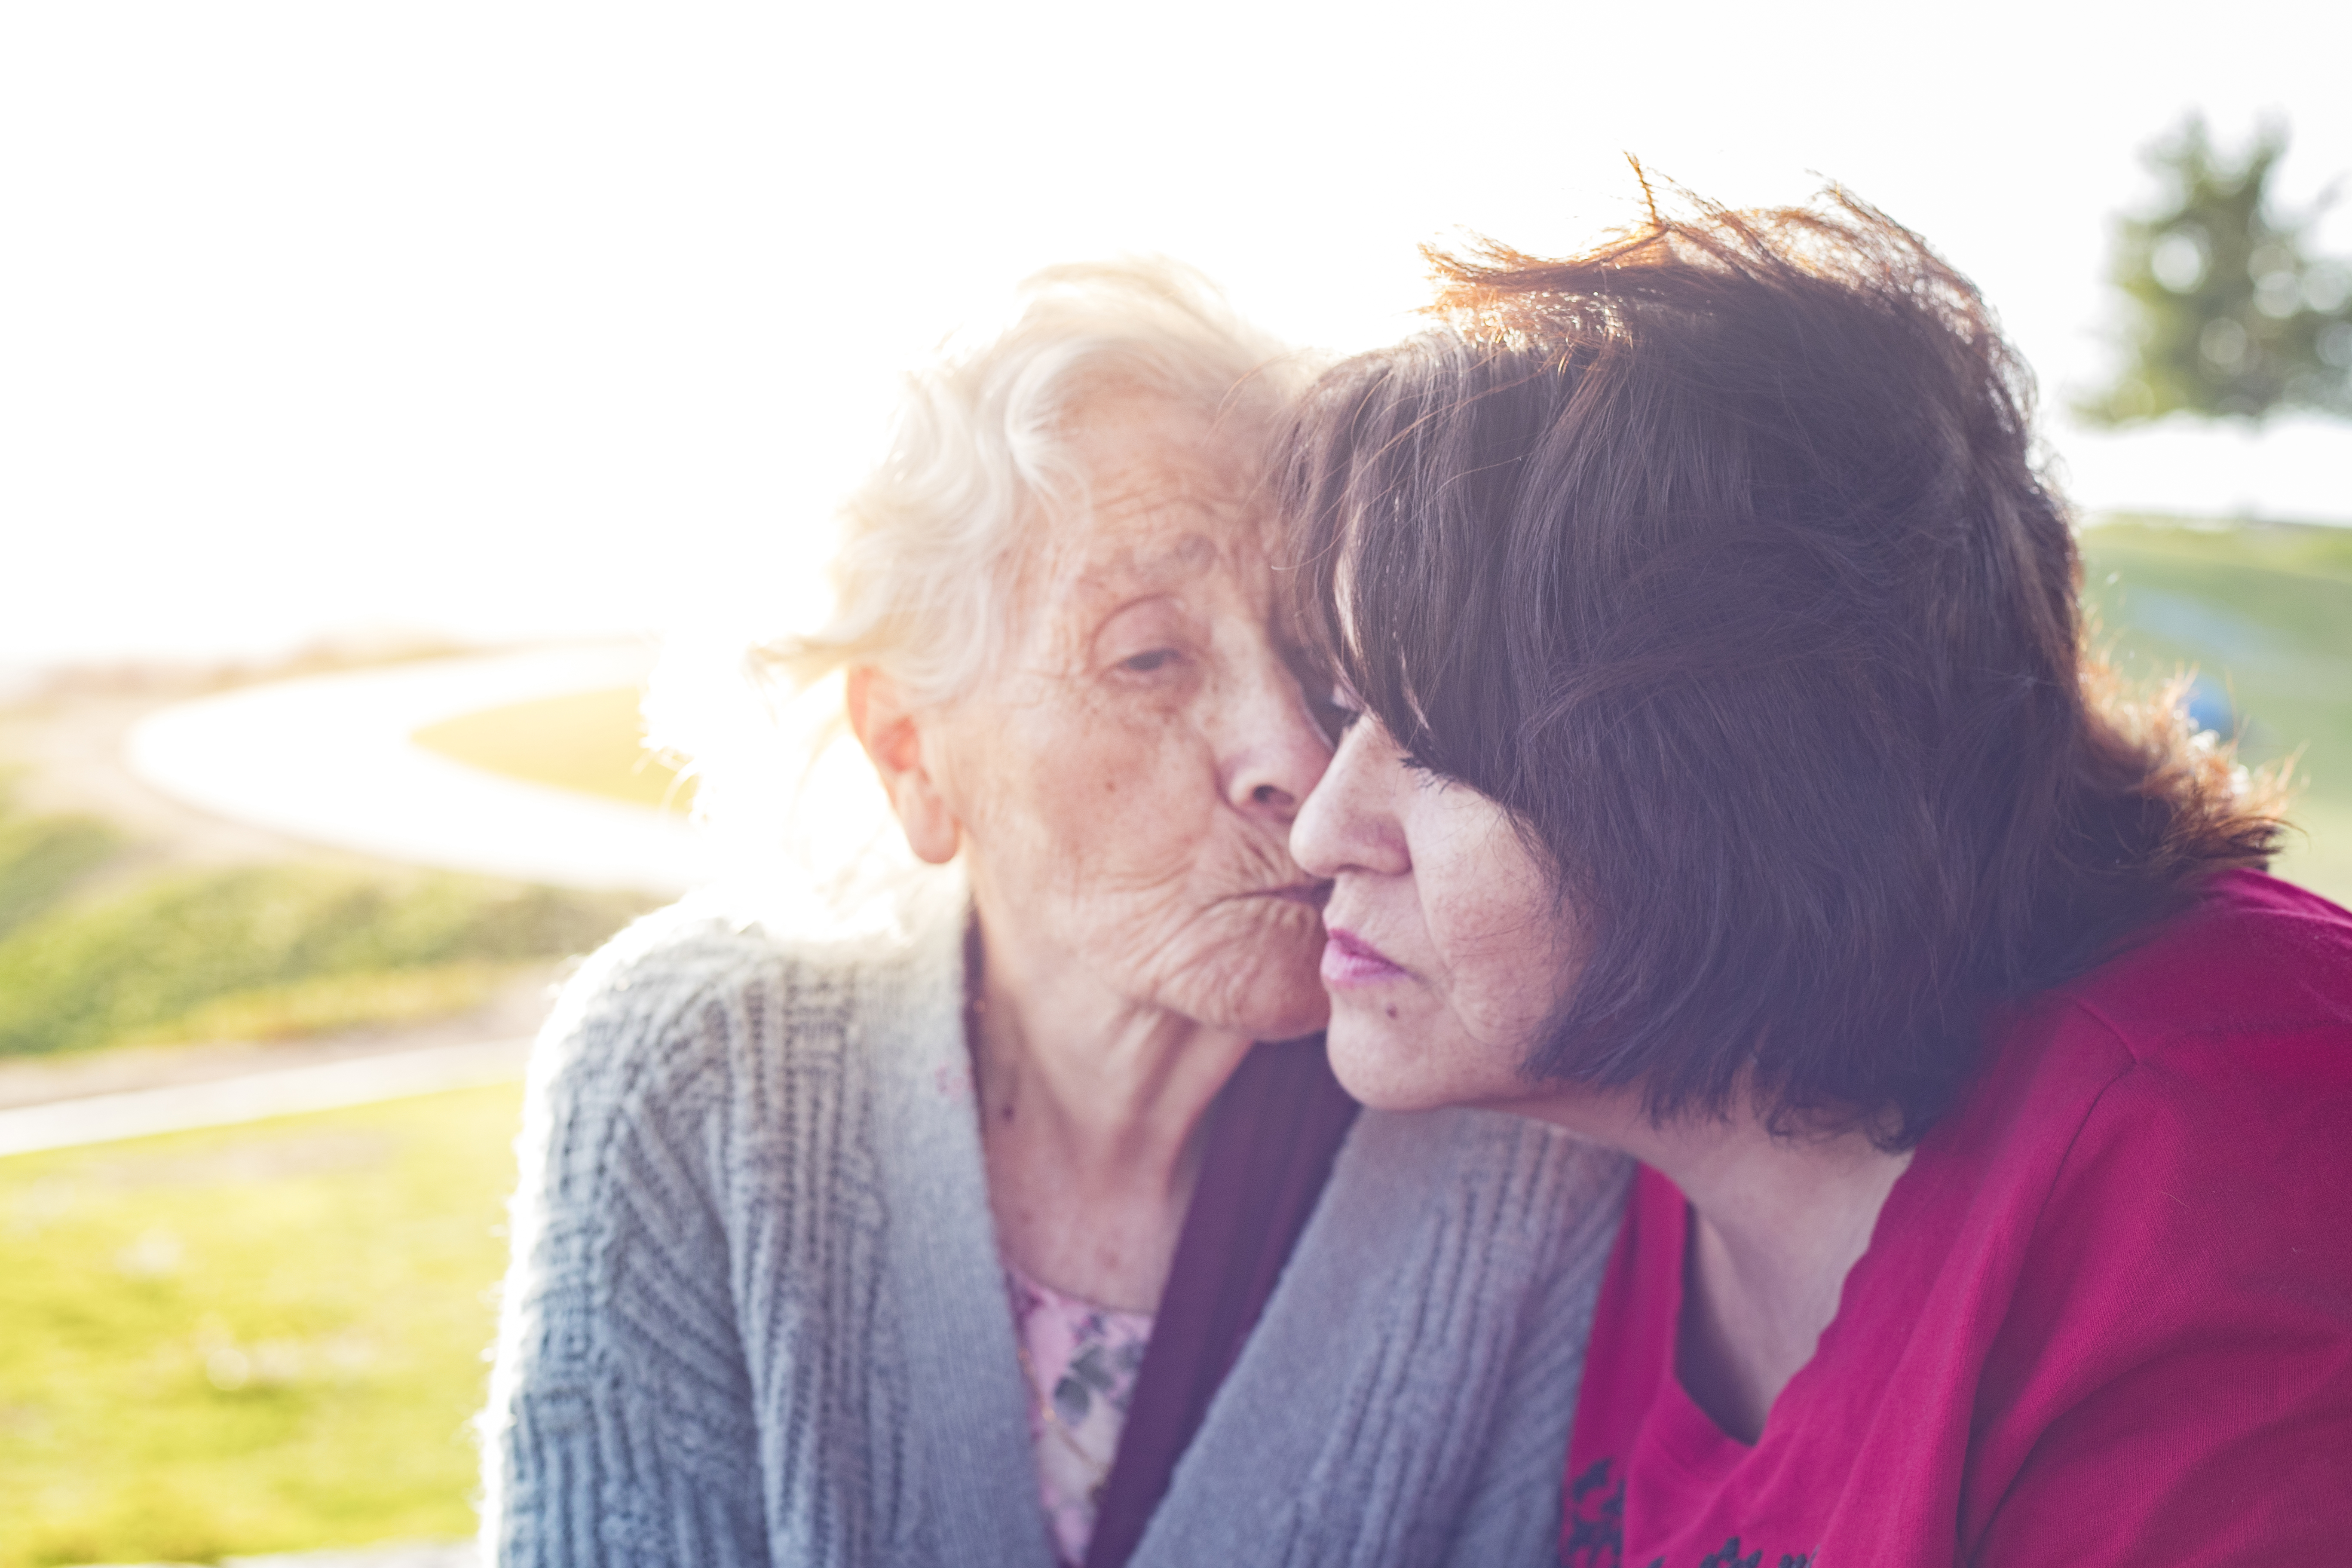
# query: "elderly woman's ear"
[893,734]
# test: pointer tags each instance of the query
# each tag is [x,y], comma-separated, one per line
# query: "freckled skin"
[1435,876]
[1094,774]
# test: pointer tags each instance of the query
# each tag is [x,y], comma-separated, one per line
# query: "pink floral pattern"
[1081,1362]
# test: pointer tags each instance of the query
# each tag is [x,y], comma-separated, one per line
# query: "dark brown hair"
[1717,557]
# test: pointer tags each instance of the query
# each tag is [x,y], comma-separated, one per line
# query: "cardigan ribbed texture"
[755,1314]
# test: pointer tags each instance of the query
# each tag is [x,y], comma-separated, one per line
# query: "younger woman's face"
[1446,948]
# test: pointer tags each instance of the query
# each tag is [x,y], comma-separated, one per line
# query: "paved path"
[414,1555]
[257,1096]
[327,758]
[69,751]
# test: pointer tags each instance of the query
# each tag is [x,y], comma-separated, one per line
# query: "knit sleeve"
[620,1425]
[1513,1511]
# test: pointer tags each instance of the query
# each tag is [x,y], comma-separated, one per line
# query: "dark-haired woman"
[1728,786]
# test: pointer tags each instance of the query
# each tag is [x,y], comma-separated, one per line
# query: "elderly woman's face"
[1126,779]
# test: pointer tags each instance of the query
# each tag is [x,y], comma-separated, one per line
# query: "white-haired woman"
[1022,1234]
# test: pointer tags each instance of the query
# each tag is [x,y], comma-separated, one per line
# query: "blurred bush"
[256,951]
[41,858]
[2229,312]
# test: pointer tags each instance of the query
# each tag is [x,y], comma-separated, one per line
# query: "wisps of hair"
[923,576]
[930,541]
[1718,555]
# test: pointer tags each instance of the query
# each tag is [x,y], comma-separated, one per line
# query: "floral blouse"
[1081,1361]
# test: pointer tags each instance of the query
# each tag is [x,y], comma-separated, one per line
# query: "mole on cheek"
[1391,1009]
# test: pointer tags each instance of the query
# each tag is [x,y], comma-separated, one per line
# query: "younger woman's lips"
[1350,961]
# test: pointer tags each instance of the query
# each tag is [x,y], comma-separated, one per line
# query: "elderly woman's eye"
[1145,663]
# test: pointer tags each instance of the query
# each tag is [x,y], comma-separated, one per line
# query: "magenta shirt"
[2105,1319]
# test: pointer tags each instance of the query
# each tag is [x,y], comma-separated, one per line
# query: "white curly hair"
[932,541]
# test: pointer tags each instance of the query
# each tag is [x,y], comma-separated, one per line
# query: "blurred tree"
[2231,315]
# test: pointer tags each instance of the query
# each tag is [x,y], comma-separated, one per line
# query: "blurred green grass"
[258,1338]
[42,857]
[2264,613]
[256,952]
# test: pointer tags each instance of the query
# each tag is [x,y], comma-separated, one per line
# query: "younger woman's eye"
[1341,708]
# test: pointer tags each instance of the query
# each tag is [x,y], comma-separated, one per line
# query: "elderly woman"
[1019,1235]
[1730,786]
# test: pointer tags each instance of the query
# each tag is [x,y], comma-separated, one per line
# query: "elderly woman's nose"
[1274,751]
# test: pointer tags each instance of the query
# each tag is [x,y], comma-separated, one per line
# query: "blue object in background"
[2208,708]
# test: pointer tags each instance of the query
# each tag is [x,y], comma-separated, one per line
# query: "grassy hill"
[252,1339]
[2263,615]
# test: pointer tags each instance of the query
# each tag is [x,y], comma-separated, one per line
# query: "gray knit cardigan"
[755,1314]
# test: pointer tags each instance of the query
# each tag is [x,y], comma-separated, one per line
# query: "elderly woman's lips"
[1350,960]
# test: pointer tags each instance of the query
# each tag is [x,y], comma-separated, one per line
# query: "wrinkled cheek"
[1119,915]
[1170,941]
[1061,827]
[1242,967]
[1107,831]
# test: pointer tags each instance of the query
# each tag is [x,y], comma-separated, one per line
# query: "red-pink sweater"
[2106,1317]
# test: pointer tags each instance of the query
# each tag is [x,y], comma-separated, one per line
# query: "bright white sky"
[504,319]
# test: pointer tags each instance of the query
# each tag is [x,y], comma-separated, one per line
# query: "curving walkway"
[257,1096]
[420,1554]
[327,758]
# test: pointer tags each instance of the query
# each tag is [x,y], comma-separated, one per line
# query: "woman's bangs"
[1397,564]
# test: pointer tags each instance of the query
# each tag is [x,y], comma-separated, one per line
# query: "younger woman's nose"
[1348,822]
